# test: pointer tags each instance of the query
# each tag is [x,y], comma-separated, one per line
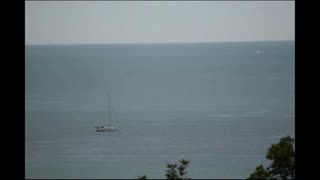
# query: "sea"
[218,105]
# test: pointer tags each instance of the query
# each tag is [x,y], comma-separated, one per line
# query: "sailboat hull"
[107,129]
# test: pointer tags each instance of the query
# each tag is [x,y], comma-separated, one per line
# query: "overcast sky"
[101,22]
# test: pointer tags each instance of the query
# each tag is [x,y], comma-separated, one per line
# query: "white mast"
[109,127]
[109,110]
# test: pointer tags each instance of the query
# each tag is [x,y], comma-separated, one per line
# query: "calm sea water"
[219,105]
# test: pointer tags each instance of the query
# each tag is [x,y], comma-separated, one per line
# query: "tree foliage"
[177,172]
[142,177]
[174,171]
[282,156]
[259,173]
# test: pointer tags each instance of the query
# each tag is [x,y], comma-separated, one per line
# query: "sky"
[108,22]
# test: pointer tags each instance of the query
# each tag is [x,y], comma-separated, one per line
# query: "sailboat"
[108,127]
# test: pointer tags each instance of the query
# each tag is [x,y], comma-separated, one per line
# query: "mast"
[109,110]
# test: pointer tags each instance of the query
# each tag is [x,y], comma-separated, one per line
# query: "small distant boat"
[107,127]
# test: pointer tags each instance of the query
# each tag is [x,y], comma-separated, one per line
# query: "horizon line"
[146,43]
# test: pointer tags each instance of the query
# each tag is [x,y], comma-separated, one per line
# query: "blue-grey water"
[219,105]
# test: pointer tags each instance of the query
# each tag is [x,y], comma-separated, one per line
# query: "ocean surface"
[219,105]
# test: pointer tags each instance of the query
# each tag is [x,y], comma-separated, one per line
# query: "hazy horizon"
[152,22]
[137,43]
